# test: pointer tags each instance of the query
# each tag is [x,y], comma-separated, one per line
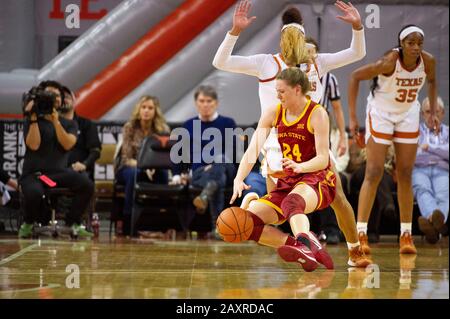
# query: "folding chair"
[155,154]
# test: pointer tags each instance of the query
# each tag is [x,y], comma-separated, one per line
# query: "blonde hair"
[293,47]
[159,124]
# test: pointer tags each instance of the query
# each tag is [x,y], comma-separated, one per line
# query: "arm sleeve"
[250,65]
[357,50]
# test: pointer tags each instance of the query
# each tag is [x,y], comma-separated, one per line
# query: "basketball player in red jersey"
[266,67]
[393,116]
[308,184]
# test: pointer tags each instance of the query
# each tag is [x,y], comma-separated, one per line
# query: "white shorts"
[272,154]
[388,127]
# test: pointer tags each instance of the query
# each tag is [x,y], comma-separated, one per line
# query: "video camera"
[44,101]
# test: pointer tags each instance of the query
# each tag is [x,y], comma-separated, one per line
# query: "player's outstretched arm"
[349,14]
[251,154]
[430,70]
[385,65]
[224,60]
[357,49]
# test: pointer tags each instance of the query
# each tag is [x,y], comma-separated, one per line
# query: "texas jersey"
[398,92]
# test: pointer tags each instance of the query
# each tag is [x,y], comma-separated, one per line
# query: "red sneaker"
[319,252]
[299,253]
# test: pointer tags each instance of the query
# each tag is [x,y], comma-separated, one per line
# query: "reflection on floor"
[132,268]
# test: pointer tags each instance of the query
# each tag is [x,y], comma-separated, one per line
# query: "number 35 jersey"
[398,92]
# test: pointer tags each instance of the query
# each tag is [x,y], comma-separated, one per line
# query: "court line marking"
[43,241]
[192,271]
[93,272]
[49,286]
[18,254]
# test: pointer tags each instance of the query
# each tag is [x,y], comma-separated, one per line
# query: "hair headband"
[295,25]
[410,30]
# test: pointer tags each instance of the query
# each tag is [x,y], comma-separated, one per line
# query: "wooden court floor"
[133,268]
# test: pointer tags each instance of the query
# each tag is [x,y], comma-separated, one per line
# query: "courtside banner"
[12,148]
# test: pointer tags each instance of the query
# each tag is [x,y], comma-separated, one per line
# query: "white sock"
[352,245]
[299,224]
[361,227]
[405,227]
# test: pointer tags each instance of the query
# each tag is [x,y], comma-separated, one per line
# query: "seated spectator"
[146,119]
[384,204]
[87,149]
[210,175]
[430,174]
[48,140]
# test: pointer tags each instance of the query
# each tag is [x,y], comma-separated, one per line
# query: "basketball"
[234,225]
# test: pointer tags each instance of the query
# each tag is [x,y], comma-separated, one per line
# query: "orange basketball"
[234,224]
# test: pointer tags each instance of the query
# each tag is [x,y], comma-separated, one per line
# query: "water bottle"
[95,224]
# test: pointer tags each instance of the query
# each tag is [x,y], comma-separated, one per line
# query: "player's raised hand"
[238,187]
[349,14]
[241,20]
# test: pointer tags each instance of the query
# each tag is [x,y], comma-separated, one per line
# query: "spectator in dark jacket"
[87,149]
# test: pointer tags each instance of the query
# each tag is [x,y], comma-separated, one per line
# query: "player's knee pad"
[258,226]
[292,205]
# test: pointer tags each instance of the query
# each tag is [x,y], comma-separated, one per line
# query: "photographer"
[48,139]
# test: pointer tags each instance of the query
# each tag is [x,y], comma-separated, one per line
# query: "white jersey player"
[293,53]
[393,116]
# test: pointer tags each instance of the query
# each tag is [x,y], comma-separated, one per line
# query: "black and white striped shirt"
[330,91]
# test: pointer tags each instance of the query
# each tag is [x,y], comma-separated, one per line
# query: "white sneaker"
[247,199]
